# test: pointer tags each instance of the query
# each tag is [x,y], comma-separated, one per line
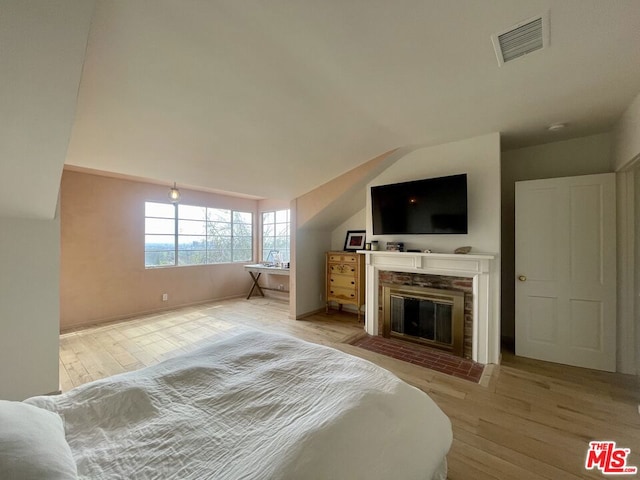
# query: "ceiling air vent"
[521,39]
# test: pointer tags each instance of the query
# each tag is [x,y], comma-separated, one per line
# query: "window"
[192,235]
[275,236]
[159,235]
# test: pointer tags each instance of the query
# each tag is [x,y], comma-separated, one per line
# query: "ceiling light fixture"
[556,126]
[174,194]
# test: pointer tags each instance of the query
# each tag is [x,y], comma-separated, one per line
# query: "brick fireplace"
[422,285]
[473,274]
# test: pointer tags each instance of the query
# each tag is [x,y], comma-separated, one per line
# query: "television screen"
[429,206]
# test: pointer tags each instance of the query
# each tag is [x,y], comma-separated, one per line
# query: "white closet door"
[566,270]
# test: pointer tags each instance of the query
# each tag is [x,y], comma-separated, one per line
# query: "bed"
[254,406]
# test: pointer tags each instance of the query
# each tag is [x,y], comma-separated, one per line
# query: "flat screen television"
[428,206]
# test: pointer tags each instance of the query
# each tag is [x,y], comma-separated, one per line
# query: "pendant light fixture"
[174,194]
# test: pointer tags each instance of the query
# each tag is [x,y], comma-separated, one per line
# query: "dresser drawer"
[342,269]
[342,293]
[345,281]
[343,257]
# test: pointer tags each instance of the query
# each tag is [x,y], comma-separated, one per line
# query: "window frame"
[264,253]
[177,235]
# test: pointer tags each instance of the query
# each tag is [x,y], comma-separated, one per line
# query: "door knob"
[522,278]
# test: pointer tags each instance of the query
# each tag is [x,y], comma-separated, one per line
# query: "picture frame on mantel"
[354,240]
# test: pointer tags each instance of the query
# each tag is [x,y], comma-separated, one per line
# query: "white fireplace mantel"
[479,267]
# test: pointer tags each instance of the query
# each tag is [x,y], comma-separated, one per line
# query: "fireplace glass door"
[425,315]
[422,318]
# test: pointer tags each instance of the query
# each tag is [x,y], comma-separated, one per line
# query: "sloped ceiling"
[42,48]
[273,98]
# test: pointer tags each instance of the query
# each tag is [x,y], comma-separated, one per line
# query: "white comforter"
[256,406]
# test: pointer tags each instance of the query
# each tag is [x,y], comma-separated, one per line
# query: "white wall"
[29,307]
[479,158]
[625,160]
[43,47]
[580,156]
[634,328]
[358,221]
[626,136]
[310,248]
[42,54]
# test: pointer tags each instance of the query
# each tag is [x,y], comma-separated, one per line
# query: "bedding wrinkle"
[257,406]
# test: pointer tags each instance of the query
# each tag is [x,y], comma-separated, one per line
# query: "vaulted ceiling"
[273,98]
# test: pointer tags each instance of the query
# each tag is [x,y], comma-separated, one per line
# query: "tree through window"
[276,236]
[193,235]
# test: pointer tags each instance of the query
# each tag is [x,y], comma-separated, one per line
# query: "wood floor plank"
[541,468]
[527,419]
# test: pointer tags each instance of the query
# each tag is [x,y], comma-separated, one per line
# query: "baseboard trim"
[308,314]
[126,316]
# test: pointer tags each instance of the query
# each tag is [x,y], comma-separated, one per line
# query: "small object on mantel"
[428,250]
[395,246]
[462,250]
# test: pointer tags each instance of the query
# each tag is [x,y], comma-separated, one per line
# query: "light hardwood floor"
[529,419]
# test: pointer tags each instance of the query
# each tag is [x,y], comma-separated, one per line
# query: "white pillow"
[32,444]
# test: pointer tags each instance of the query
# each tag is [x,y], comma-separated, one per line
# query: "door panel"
[586,233]
[565,270]
[587,324]
[541,309]
[538,236]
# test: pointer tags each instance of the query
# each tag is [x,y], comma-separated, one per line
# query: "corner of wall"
[316,202]
[358,221]
[626,137]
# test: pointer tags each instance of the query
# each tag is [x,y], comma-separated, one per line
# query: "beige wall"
[102,245]
[269,204]
[579,156]
[29,307]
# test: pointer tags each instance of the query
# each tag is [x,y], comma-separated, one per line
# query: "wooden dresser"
[345,280]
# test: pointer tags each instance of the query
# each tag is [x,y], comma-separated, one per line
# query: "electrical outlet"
[165,297]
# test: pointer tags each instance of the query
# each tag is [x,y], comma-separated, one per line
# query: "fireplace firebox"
[430,316]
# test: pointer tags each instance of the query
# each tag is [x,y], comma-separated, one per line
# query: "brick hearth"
[423,356]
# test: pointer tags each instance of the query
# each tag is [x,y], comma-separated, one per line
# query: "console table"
[258,269]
